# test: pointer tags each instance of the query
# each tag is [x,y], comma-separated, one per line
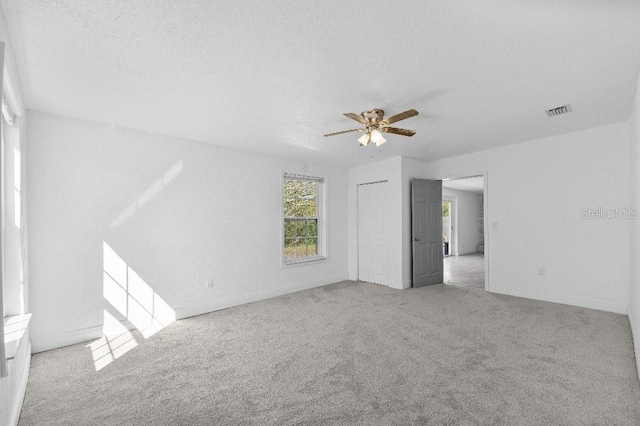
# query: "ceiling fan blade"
[345,131]
[403,115]
[397,131]
[356,117]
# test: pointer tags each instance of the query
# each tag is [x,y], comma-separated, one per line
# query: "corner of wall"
[635,338]
[634,249]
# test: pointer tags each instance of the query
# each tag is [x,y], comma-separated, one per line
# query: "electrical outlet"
[208,283]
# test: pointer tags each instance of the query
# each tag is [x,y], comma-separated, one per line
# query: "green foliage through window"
[300,203]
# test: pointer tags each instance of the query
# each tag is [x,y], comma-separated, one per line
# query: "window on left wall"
[11,205]
[13,232]
[303,227]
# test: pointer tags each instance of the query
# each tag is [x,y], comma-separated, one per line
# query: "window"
[12,230]
[11,207]
[3,290]
[302,206]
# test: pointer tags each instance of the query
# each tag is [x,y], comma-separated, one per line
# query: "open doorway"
[463,238]
[448,206]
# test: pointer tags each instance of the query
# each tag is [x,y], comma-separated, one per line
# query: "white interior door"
[373,233]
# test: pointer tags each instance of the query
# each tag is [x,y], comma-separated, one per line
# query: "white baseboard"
[72,337]
[583,302]
[216,305]
[60,340]
[397,285]
[22,389]
[635,338]
[92,333]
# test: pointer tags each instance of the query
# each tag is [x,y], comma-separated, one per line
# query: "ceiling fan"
[375,125]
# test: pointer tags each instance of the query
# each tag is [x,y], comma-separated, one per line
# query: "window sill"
[15,327]
[306,261]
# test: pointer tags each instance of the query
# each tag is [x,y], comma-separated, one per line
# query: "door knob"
[415,239]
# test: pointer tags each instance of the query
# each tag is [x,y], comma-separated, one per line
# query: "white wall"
[398,171]
[634,287]
[176,212]
[536,193]
[467,228]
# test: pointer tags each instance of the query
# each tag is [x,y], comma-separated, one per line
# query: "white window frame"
[12,309]
[321,208]
[3,356]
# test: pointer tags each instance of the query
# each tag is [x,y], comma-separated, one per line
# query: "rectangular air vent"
[559,110]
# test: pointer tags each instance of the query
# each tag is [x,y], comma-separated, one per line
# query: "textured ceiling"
[275,76]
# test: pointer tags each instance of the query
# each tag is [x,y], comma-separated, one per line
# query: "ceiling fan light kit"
[374,136]
[375,125]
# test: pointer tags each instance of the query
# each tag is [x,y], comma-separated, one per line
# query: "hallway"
[465,271]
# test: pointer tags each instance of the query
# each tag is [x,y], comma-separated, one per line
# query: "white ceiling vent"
[559,110]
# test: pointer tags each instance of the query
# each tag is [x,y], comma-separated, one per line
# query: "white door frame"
[486,221]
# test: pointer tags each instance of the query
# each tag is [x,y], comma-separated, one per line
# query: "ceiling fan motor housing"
[373,116]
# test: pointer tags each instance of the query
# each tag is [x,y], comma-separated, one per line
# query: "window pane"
[306,209]
[311,207]
[300,198]
[312,229]
[289,209]
[289,249]
[289,197]
[309,197]
[301,248]
[312,246]
[307,189]
[299,208]
[302,228]
[289,228]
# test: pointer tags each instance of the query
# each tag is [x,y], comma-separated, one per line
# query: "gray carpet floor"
[355,353]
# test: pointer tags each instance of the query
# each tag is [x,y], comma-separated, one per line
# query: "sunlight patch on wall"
[147,195]
[135,301]
[132,297]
